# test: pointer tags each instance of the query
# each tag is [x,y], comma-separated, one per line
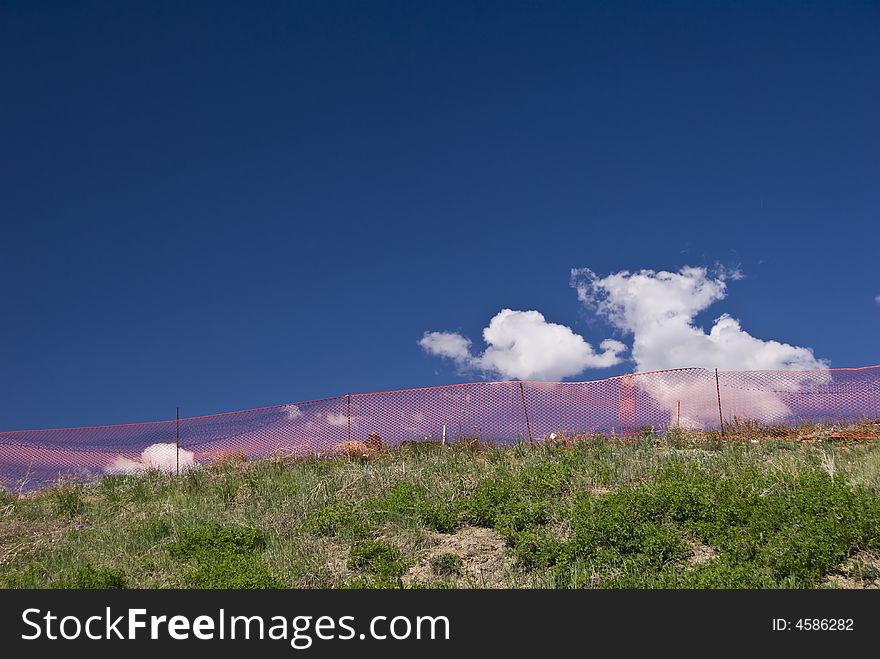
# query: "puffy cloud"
[522,345]
[447,344]
[877,299]
[658,309]
[163,457]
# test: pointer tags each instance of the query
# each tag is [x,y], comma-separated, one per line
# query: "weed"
[446,565]
[339,519]
[442,517]
[377,558]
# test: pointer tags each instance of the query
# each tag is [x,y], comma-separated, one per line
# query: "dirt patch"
[331,566]
[700,553]
[859,572]
[483,554]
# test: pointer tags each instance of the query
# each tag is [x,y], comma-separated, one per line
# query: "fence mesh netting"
[692,399]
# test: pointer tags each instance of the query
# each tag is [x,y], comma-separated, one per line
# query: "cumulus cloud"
[658,310]
[522,345]
[163,457]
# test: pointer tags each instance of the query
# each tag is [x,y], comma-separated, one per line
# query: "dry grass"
[355,450]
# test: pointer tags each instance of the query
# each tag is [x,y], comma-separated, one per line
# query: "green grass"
[598,513]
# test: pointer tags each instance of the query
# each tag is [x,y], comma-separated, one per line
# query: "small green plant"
[211,538]
[230,571]
[339,519]
[488,498]
[442,517]
[400,503]
[33,575]
[377,558]
[446,565]
[223,557]
[75,576]
[865,570]
[90,577]
[537,548]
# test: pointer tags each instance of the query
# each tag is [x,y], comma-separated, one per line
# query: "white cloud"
[338,420]
[163,457]
[877,299]
[447,344]
[658,309]
[522,345]
[292,411]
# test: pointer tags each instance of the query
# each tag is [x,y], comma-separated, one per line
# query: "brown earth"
[484,560]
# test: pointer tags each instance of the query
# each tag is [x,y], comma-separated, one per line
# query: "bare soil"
[484,563]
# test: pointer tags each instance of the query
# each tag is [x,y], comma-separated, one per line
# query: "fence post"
[718,392]
[349,417]
[525,410]
[178,443]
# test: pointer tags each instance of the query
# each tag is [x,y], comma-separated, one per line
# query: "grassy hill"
[682,511]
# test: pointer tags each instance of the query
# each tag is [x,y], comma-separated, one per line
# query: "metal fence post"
[349,417]
[525,410]
[718,392]
[177,471]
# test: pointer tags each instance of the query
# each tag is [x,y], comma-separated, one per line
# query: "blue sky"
[223,206]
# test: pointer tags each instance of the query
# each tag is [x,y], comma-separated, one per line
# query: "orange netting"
[741,402]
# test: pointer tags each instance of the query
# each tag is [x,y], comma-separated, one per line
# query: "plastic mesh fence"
[502,412]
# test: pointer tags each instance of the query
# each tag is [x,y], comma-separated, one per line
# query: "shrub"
[378,558]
